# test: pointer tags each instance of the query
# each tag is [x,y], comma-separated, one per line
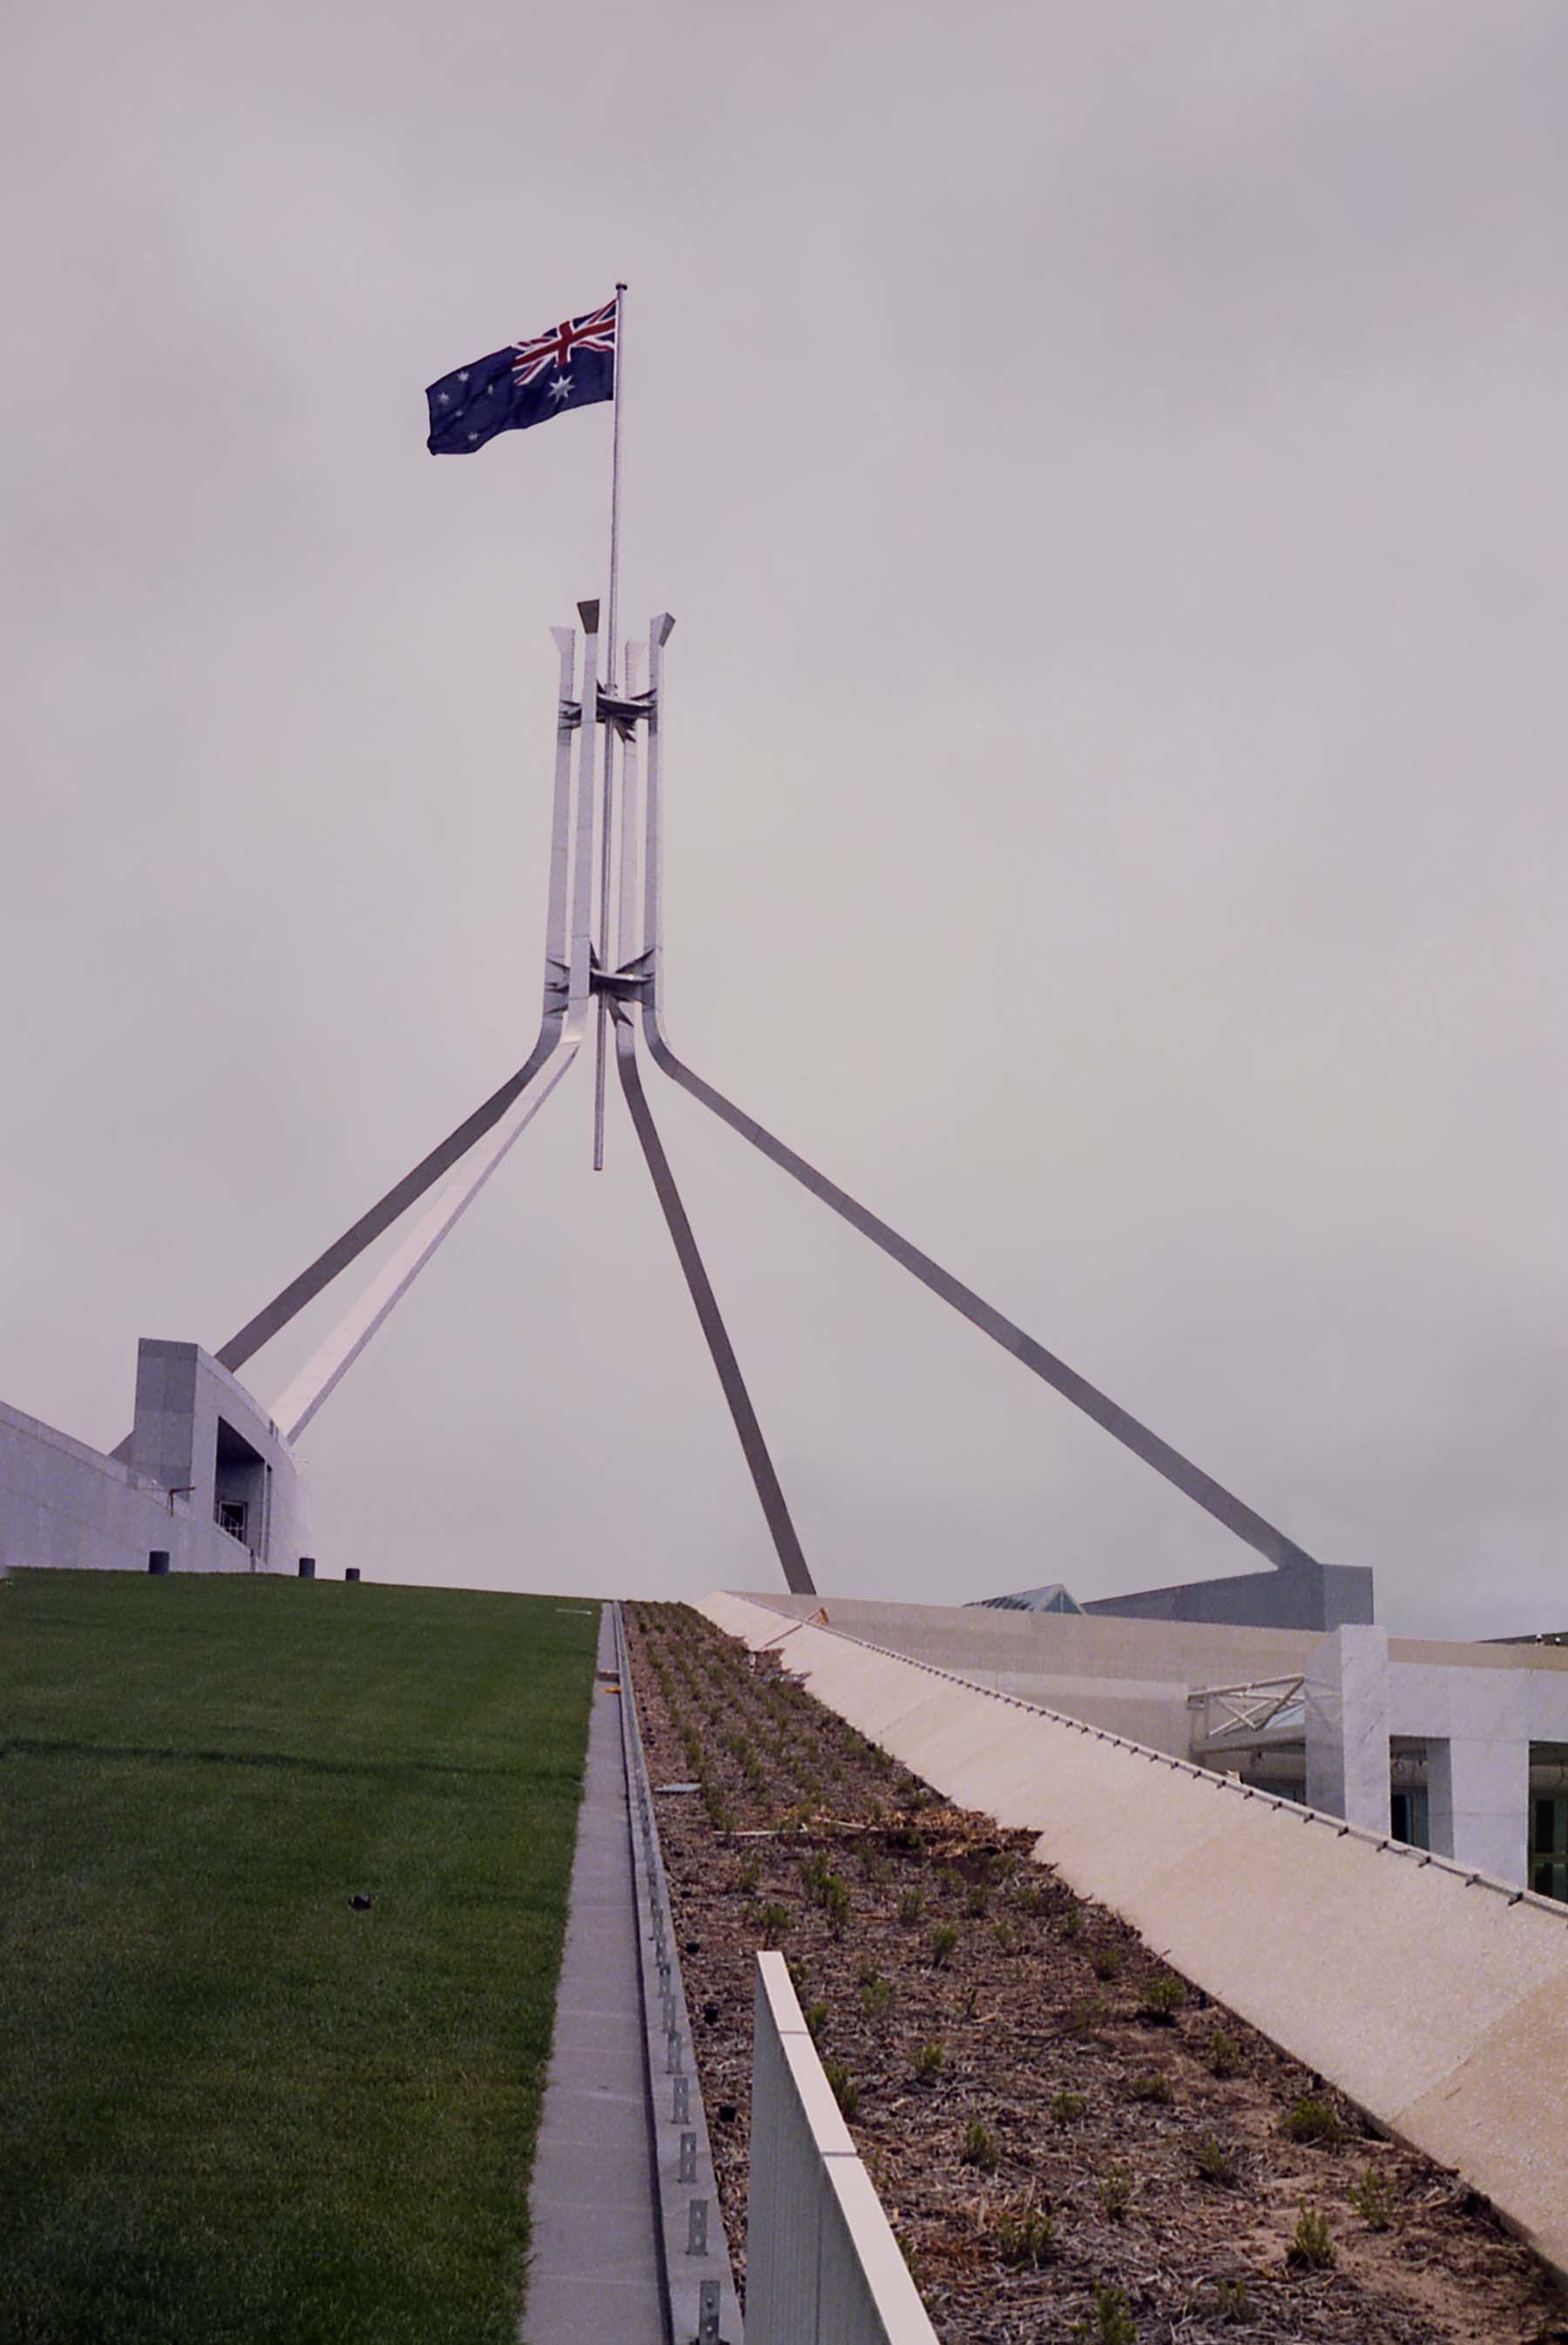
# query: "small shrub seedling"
[980,2147]
[1311,2248]
[944,1939]
[1165,1998]
[1026,2236]
[1373,2200]
[1315,2120]
[1116,2193]
[846,2092]
[1111,2323]
[836,1904]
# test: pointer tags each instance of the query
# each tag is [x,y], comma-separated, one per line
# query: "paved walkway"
[593,2274]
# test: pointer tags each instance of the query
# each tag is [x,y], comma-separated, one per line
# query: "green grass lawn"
[232,2110]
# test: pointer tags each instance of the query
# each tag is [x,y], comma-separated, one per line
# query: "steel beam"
[1190,1480]
[797,1572]
[285,1305]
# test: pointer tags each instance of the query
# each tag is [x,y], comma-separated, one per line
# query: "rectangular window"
[1549,1846]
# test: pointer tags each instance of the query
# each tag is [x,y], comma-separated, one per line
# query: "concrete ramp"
[1436,1998]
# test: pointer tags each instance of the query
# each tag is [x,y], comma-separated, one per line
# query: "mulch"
[1071,2142]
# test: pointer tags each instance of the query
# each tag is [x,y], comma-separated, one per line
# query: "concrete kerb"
[1314,1931]
[700,2282]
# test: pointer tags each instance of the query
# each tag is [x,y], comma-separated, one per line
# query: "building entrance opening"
[1548,1858]
[239,1489]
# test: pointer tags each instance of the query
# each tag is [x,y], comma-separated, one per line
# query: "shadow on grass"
[399,1771]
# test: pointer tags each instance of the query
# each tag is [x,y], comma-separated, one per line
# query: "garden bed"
[1071,2141]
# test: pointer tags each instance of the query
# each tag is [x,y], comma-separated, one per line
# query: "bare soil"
[1071,2141]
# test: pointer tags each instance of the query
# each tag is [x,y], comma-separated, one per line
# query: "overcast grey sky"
[1106,462]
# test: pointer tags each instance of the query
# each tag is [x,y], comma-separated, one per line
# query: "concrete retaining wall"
[66,1508]
[822,2268]
[1123,1674]
[1437,1999]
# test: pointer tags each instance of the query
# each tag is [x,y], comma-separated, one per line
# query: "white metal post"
[590,716]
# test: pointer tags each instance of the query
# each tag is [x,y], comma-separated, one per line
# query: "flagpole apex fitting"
[620,284]
[589,612]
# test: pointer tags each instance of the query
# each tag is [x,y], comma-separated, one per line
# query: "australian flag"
[571,366]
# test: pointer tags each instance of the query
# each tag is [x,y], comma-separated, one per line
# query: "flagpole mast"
[606,795]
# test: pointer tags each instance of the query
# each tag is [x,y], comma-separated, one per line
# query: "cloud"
[1106,466]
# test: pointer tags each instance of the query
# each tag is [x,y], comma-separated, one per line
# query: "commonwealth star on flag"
[572,365]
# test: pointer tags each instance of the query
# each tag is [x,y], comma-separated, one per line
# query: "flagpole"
[606,795]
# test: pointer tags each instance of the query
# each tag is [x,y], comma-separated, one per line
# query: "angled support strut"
[561,1020]
[1190,1480]
[796,1573]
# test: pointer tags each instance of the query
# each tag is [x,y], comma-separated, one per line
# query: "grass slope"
[234,2111]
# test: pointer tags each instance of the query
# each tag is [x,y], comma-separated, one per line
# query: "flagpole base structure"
[617,978]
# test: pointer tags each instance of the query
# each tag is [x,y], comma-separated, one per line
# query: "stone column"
[1345,1701]
[1478,1776]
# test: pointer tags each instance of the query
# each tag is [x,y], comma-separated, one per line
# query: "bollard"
[307,1566]
[158,1560]
[352,1571]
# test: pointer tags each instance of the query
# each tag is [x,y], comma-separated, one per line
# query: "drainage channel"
[699,2285]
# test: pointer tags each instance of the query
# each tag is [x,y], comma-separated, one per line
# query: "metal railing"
[822,2265]
[1260,1706]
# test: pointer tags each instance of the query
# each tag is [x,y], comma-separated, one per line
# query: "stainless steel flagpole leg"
[797,1572]
[347,1249]
[558,1038]
[1244,1521]
[607,799]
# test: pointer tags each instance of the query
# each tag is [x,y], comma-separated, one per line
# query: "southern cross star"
[561,388]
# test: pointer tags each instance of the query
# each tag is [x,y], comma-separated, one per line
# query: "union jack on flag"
[572,365]
[596,331]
